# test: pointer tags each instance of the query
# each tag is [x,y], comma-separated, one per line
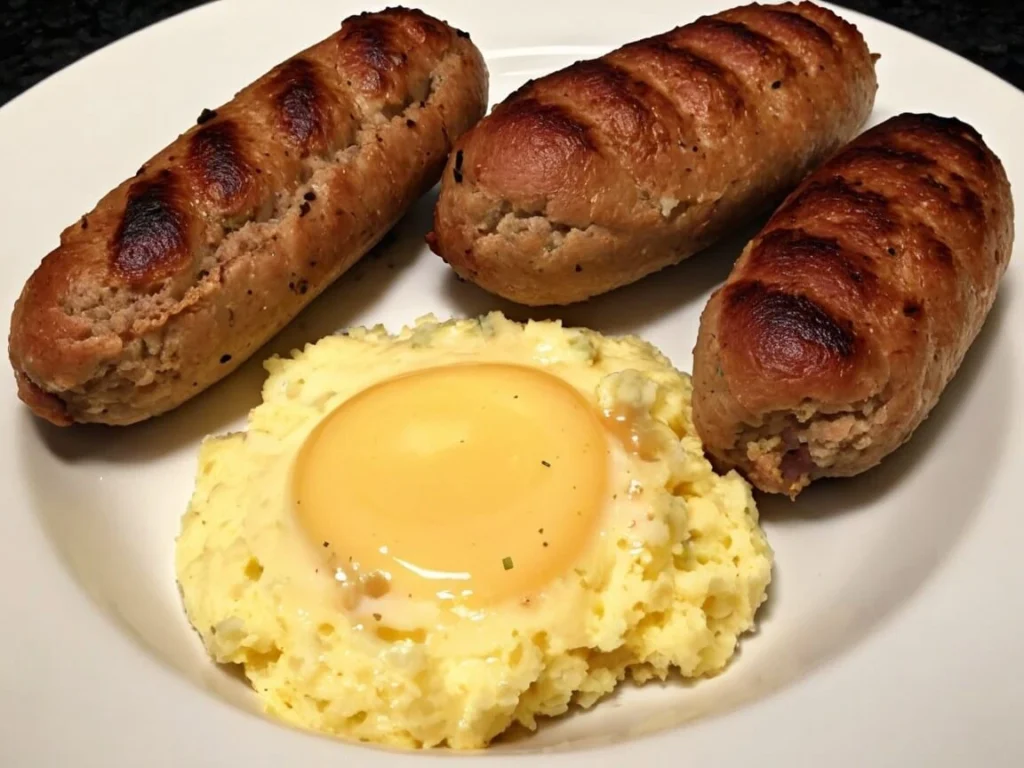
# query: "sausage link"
[845,318]
[594,176]
[182,272]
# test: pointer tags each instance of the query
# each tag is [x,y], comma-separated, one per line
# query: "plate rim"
[223,714]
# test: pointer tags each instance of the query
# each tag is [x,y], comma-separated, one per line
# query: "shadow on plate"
[626,309]
[227,402]
[837,496]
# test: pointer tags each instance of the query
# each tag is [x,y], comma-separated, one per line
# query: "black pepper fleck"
[411,123]
[206,116]
[776,85]
[891,251]
[579,268]
[460,33]
[85,223]
[303,209]
[225,359]
[311,196]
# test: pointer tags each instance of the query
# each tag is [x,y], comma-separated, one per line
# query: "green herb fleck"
[506,563]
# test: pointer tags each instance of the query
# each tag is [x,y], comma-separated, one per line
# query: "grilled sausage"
[597,175]
[845,318]
[182,272]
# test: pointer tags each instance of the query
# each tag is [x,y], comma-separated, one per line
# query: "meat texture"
[182,272]
[845,318]
[597,175]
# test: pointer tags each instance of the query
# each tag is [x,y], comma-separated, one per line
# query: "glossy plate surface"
[893,632]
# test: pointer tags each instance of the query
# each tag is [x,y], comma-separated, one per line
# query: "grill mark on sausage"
[916,168]
[960,198]
[641,84]
[609,86]
[801,25]
[794,253]
[930,181]
[881,153]
[633,120]
[971,202]
[946,129]
[150,240]
[629,121]
[300,102]
[367,46]
[836,198]
[686,58]
[738,30]
[548,120]
[787,335]
[766,48]
[215,156]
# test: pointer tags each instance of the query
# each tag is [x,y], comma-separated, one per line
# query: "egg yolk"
[468,483]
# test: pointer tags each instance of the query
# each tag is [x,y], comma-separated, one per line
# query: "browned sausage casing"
[845,318]
[591,178]
[182,272]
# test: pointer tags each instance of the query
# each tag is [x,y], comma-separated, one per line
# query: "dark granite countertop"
[40,37]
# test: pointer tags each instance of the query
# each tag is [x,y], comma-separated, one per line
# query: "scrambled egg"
[646,562]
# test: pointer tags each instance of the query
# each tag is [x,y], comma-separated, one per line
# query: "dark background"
[39,37]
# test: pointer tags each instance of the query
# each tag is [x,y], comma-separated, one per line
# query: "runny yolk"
[468,483]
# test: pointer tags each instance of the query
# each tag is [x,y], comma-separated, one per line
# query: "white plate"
[894,629]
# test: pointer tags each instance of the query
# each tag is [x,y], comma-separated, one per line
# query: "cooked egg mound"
[425,538]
